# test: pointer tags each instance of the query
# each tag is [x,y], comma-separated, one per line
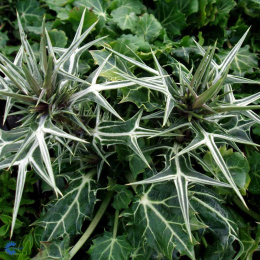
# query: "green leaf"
[201,75]
[99,7]
[3,230]
[31,13]
[155,222]
[125,14]
[209,93]
[125,18]
[5,256]
[67,214]
[251,8]
[19,98]
[142,97]
[56,249]
[254,162]
[47,86]
[136,164]
[148,27]
[143,252]
[122,198]
[244,61]
[186,6]
[237,164]
[250,244]
[171,17]
[32,82]
[185,50]
[139,42]
[126,45]
[27,245]
[57,5]
[74,17]
[58,38]
[181,172]
[127,133]
[107,247]
[10,140]
[222,228]
[165,86]
[256,129]
[205,138]
[111,68]
[6,219]
[206,13]
[3,40]
[222,7]
[132,5]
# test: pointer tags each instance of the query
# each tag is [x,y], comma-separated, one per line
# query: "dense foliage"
[130,129]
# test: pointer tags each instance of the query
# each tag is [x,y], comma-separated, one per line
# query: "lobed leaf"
[155,220]
[108,247]
[66,215]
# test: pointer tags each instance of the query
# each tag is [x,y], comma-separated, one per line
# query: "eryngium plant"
[195,108]
[50,97]
[62,114]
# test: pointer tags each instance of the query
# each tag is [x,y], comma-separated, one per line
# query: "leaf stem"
[130,179]
[204,242]
[92,225]
[115,224]
[249,212]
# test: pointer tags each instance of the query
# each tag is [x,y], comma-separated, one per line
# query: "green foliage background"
[168,27]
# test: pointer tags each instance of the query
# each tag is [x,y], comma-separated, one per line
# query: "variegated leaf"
[127,133]
[157,219]
[66,215]
[205,138]
[181,173]
[219,220]
[107,247]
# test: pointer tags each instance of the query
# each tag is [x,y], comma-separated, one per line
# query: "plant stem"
[204,242]
[92,225]
[130,179]
[115,223]
[249,212]
[3,7]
